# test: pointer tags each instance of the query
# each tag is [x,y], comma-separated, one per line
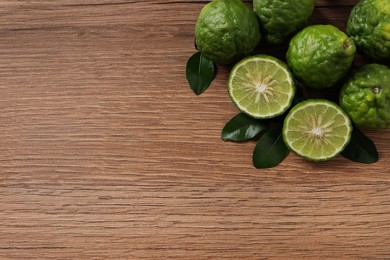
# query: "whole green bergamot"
[280,19]
[226,31]
[369,26]
[320,55]
[366,96]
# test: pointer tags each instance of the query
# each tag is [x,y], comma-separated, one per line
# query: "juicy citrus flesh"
[318,130]
[261,86]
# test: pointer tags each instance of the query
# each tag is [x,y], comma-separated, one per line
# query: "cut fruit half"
[317,129]
[261,86]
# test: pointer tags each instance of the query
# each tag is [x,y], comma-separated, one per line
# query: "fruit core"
[260,87]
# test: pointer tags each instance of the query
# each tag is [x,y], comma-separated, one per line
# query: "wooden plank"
[106,154]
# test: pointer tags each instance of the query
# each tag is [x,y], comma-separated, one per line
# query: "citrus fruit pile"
[284,103]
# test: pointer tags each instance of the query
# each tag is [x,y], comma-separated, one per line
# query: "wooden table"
[105,153]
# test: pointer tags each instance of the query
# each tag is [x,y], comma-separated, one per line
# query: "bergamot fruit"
[280,19]
[320,55]
[366,96]
[261,86]
[369,26]
[226,31]
[317,129]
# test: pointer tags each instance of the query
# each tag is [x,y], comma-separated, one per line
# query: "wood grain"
[105,153]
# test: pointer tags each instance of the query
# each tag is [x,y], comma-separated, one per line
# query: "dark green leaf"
[200,72]
[270,150]
[242,128]
[360,149]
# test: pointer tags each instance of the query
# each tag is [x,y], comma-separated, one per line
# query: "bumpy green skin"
[320,55]
[280,19]
[369,26]
[226,31]
[359,99]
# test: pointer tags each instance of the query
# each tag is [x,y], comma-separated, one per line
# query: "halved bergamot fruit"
[317,129]
[261,86]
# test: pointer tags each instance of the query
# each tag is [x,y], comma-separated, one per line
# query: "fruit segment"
[318,130]
[261,86]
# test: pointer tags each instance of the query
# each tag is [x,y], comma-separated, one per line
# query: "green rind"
[304,104]
[266,58]
[366,108]
[369,26]
[280,19]
[320,55]
[226,31]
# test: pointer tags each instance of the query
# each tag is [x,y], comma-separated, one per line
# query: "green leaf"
[242,128]
[270,150]
[360,149]
[200,72]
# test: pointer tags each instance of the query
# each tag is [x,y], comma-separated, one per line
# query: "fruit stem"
[376,90]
